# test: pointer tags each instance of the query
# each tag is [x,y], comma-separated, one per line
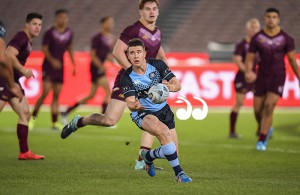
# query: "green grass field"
[96,160]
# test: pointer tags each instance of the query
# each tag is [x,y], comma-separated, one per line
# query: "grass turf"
[97,160]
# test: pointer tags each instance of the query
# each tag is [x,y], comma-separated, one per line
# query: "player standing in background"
[272,44]
[149,33]
[6,68]
[101,48]
[156,119]
[241,86]
[19,49]
[56,41]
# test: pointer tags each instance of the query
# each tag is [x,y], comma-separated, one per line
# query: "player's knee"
[164,133]
[268,108]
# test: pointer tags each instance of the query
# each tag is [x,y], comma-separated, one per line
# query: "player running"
[272,44]
[241,86]
[146,30]
[56,41]
[101,48]
[19,49]
[156,119]
[6,68]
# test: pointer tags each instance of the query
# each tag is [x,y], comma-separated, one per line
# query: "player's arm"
[161,55]
[238,60]
[293,63]
[120,55]
[250,76]
[95,59]
[53,61]
[173,84]
[133,104]
[12,52]
[71,54]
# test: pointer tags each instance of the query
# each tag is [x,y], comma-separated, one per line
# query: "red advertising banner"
[212,82]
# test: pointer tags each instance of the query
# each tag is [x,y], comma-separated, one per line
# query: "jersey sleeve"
[2,30]
[127,86]
[290,44]
[47,38]
[127,34]
[163,69]
[239,49]
[17,42]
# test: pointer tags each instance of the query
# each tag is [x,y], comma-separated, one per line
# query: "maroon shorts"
[241,85]
[54,76]
[96,73]
[269,83]
[117,92]
[5,94]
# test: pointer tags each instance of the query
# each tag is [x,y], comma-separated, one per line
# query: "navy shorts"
[165,115]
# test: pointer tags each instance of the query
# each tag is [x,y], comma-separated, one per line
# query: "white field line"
[185,143]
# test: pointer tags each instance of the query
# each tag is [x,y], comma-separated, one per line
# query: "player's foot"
[30,156]
[57,126]
[64,118]
[270,132]
[149,166]
[70,128]
[260,146]
[234,136]
[139,165]
[183,178]
[31,124]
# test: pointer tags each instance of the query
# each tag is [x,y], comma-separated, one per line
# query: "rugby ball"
[158,93]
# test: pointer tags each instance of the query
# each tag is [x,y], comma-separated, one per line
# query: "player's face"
[136,55]
[108,24]
[34,27]
[150,12]
[253,29]
[62,20]
[272,19]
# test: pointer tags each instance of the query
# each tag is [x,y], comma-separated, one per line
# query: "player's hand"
[250,77]
[56,64]
[169,86]
[137,105]
[16,90]
[27,73]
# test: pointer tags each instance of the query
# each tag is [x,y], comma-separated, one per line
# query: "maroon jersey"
[58,43]
[271,51]
[103,45]
[151,39]
[22,43]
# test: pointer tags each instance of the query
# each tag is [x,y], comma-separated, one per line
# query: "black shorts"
[165,115]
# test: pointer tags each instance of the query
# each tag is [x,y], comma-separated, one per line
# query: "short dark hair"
[143,2]
[61,11]
[32,16]
[103,19]
[272,9]
[135,42]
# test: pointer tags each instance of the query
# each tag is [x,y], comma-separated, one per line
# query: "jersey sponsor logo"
[152,75]
[196,113]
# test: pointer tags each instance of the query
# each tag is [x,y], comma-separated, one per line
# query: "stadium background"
[188,28]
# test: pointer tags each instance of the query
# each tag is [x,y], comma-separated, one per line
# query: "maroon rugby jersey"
[271,51]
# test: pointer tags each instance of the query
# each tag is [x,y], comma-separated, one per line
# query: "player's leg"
[103,82]
[55,104]
[22,110]
[267,115]
[258,108]
[153,126]
[239,100]
[2,104]
[112,115]
[47,86]
[146,143]
[93,90]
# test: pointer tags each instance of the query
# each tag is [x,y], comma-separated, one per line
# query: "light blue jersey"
[136,85]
